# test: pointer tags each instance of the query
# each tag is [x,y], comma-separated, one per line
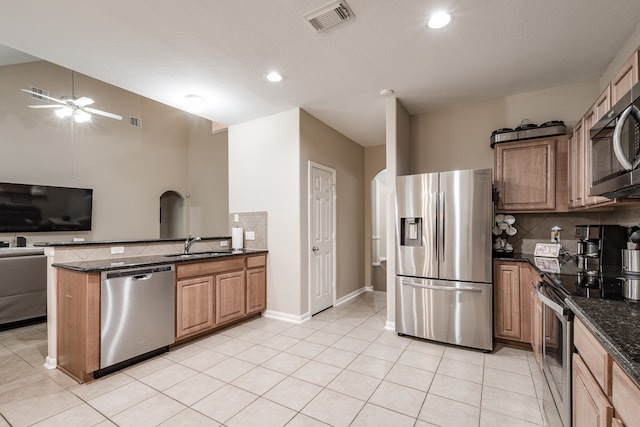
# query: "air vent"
[329,16]
[136,122]
[39,92]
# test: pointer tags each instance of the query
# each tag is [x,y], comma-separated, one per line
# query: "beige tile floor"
[341,368]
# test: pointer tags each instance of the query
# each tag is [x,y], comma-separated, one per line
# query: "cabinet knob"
[315,249]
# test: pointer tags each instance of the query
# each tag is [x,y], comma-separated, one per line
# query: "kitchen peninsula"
[212,287]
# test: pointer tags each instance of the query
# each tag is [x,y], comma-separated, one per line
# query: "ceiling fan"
[72,106]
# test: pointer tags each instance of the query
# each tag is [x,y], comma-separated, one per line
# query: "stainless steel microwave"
[615,149]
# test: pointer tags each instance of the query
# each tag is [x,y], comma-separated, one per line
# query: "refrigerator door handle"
[441,288]
[435,224]
[442,220]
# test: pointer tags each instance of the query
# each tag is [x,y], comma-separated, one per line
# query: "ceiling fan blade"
[83,101]
[59,101]
[46,106]
[103,113]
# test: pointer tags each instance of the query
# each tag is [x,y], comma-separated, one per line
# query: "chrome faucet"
[190,241]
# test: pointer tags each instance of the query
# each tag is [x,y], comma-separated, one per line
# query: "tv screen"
[35,208]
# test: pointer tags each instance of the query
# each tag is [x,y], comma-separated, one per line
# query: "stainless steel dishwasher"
[137,313]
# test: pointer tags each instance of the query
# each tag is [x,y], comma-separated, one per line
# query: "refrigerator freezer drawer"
[451,312]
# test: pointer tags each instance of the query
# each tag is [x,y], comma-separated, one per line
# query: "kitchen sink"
[198,254]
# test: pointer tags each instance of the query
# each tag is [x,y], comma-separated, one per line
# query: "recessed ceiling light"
[274,77]
[439,20]
[194,103]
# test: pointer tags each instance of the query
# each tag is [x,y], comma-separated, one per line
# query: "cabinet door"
[194,306]
[536,327]
[506,291]
[590,406]
[600,107]
[576,167]
[526,175]
[256,290]
[230,296]
[527,275]
[625,78]
[625,396]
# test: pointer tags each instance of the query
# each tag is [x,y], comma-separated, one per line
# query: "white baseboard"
[50,362]
[375,264]
[286,317]
[390,326]
[368,288]
[351,295]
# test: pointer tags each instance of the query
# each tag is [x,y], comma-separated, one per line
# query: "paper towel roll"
[236,238]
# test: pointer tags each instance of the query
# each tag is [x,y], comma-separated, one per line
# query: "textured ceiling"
[166,49]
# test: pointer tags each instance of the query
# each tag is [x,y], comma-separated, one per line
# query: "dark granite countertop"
[118,242]
[145,261]
[616,324]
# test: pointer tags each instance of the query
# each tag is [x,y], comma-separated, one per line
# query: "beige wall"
[627,49]
[127,167]
[208,175]
[458,138]
[264,176]
[374,162]
[322,144]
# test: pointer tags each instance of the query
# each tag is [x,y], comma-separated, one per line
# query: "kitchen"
[428,127]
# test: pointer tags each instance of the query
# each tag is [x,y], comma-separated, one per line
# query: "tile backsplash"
[536,228]
[255,222]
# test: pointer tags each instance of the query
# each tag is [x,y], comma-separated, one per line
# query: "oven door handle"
[548,301]
[617,138]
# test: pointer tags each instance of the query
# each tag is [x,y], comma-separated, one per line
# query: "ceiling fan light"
[81,116]
[64,112]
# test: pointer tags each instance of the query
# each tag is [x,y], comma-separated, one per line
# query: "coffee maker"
[600,245]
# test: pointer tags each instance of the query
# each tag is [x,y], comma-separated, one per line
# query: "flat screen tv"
[36,208]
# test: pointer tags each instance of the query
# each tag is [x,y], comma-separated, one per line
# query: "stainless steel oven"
[615,149]
[557,331]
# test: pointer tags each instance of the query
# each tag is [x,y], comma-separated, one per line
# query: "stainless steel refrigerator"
[443,263]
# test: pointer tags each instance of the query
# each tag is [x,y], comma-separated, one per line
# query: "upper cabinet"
[579,156]
[531,176]
[625,78]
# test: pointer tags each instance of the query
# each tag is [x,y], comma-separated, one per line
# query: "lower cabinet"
[512,282]
[211,294]
[194,306]
[230,296]
[603,395]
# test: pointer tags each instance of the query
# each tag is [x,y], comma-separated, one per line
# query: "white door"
[321,237]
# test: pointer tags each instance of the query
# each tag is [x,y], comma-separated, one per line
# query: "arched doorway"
[172,224]
[379,231]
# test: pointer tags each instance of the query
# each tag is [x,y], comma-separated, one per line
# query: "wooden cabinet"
[603,394]
[230,296]
[213,293]
[256,284]
[78,323]
[625,397]
[590,405]
[512,301]
[531,176]
[597,111]
[194,306]
[576,167]
[626,77]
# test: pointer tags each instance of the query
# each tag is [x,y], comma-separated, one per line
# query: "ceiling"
[222,50]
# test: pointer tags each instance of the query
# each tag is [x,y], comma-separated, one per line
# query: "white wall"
[264,175]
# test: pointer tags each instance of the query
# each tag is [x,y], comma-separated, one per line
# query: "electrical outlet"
[236,218]
[250,235]
[117,250]
[224,244]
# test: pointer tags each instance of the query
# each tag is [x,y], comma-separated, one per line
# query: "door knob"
[315,249]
